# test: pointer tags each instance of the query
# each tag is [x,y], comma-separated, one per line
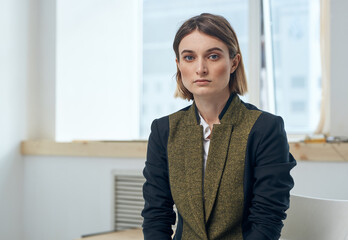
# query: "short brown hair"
[216,26]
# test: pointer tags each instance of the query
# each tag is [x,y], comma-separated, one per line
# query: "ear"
[235,63]
[177,63]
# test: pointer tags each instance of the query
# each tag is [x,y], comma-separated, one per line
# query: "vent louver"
[128,200]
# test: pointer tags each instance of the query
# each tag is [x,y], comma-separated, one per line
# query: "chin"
[205,94]
[209,93]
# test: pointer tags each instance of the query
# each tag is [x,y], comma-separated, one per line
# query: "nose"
[201,69]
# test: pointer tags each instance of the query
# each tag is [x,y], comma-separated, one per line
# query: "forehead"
[199,41]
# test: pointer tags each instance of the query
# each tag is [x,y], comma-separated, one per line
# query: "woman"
[222,162]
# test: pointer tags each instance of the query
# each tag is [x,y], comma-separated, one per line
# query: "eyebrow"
[186,51]
[214,49]
[209,50]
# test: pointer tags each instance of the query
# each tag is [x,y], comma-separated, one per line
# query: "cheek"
[185,73]
[223,71]
[183,68]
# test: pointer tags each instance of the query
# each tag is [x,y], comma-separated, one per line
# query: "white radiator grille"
[129,201]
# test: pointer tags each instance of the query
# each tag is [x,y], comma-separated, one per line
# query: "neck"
[211,107]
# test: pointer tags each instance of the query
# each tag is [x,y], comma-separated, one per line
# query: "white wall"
[66,197]
[13,83]
[338,65]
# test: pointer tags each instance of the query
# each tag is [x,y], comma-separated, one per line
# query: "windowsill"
[324,152]
[117,149]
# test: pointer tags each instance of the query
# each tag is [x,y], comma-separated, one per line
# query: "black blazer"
[264,184]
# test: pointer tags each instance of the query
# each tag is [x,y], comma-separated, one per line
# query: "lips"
[201,81]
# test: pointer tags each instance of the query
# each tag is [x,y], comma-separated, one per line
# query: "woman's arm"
[272,181]
[158,211]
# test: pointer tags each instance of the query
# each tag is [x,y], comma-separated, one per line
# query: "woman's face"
[205,65]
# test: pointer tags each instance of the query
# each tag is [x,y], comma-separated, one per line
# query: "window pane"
[161,19]
[98,67]
[296,62]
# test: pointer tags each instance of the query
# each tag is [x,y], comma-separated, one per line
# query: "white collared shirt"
[206,139]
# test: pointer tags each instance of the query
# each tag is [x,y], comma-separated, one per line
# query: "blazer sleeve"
[272,181]
[158,211]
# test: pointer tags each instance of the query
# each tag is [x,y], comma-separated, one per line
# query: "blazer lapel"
[217,156]
[194,175]
[218,150]
[186,162]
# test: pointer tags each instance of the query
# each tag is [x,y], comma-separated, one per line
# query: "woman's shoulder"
[162,123]
[267,125]
[265,118]
[160,126]
[267,143]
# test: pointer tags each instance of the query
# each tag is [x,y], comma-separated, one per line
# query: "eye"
[188,58]
[214,57]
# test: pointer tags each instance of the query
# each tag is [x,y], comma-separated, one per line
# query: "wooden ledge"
[324,152]
[119,149]
[327,152]
[130,234]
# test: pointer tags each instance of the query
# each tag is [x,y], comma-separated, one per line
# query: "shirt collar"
[206,128]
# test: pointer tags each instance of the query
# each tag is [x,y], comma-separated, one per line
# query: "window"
[292,32]
[115,66]
[98,70]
